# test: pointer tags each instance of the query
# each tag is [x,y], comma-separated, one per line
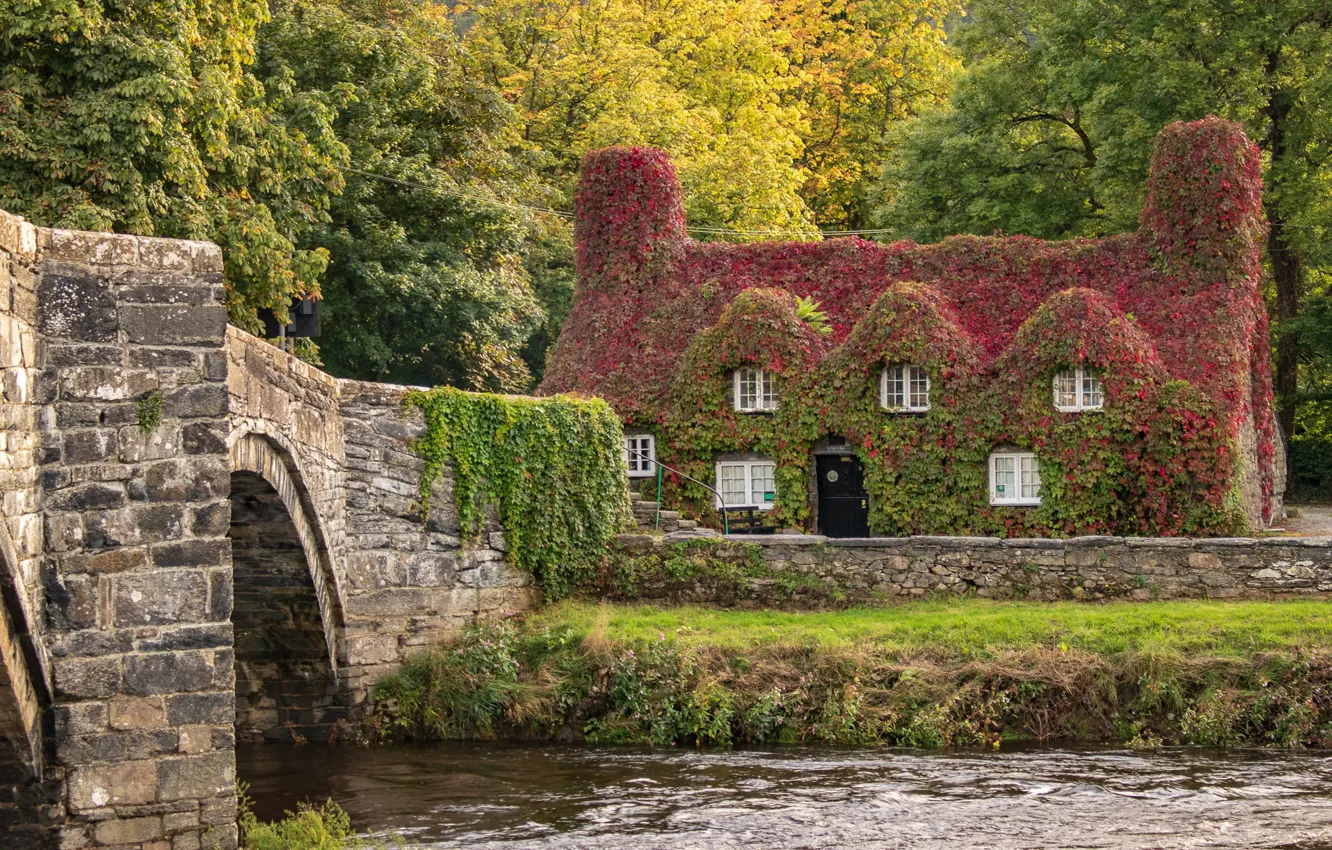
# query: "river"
[528,796]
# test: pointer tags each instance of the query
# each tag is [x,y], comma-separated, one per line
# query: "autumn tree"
[703,79]
[859,69]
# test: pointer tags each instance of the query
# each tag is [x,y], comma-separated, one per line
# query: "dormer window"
[905,388]
[1077,389]
[755,390]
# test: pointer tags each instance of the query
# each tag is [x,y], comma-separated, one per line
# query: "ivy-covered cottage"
[994,386]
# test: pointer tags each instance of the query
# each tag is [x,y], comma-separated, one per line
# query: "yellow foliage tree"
[860,66]
[772,109]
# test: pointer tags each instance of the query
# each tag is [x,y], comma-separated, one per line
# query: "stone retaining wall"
[799,570]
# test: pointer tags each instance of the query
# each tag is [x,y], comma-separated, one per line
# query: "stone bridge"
[203,538]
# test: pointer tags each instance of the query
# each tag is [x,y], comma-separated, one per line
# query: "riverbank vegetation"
[310,827]
[926,674]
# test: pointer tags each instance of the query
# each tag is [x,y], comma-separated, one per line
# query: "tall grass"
[927,674]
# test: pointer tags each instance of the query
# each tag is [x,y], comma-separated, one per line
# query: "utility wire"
[568,216]
[705,230]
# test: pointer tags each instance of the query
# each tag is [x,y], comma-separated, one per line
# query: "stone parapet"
[134,483]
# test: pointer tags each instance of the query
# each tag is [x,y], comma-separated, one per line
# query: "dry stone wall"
[810,570]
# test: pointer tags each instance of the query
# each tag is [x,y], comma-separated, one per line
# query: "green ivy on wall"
[763,328]
[553,467]
[1151,461]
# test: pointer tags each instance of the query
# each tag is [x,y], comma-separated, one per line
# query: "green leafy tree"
[425,285]
[143,116]
[773,110]
[1051,126]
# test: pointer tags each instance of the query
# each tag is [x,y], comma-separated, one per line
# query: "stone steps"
[647,517]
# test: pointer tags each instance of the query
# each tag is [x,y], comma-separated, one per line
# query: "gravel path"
[1314,521]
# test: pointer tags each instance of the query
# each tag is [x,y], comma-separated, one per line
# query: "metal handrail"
[726,524]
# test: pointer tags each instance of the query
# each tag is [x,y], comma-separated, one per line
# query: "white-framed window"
[1015,478]
[755,390]
[640,455]
[1077,389]
[746,484]
[905,387]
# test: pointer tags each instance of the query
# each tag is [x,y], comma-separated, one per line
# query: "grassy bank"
[930,674]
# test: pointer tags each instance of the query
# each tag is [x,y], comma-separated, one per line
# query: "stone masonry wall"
[409,583]
[809,570]
[292,408]
[286,431]
[392,583]
[128,411]
[137,569]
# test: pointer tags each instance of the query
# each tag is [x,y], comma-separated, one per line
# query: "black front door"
[843,502]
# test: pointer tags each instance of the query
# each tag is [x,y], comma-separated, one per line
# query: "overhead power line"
[704,230]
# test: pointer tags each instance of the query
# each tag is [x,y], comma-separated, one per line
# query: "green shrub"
[464,690]
[310,827]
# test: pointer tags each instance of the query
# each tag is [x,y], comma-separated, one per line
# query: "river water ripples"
[523,796]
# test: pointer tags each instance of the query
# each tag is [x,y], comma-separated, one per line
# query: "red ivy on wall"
[1170,316]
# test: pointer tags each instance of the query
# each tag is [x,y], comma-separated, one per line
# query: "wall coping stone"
[1157,542]
[1033,543]
[1028,542]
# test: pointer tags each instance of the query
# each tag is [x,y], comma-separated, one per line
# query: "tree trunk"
[1288,274]
[1287,264]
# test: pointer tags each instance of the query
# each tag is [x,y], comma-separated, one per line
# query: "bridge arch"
[24,693]
[287,598]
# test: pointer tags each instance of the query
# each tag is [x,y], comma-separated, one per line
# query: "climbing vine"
[551,468]
[1171,317]
[1151,461]
[762,328]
